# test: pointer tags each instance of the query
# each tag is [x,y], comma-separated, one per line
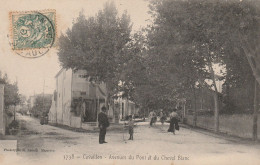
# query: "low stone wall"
[240,125]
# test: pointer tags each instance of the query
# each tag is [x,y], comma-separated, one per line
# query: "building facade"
[126,108]
[76,100]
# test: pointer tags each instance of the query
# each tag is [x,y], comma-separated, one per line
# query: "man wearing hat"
[103,123]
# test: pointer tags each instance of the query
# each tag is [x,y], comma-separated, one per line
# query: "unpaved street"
[45,143]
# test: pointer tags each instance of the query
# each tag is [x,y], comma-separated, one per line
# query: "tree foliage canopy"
[11,92]
[173,55]
[96,44]
[187,37]
[42,105]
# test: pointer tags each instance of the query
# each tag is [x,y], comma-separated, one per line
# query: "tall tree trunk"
[98,109]
[195,107]
[216,103]
[127,106]
[256,106]
[251,56]
[228,101]
[14,111]
[114,112]
[216,112]
[184,112]
[201,98]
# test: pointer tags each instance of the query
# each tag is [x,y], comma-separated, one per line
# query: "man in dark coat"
[103,123]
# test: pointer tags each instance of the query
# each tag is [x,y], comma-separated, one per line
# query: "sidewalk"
[221,135]
[122,126]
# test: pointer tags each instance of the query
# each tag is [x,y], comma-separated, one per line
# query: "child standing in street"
[131,127]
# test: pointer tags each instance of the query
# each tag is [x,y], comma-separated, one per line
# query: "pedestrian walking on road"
[173,121]
[153,118]
[103,123]
[131,127]
[162,117]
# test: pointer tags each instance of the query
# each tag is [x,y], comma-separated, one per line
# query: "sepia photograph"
[122,82]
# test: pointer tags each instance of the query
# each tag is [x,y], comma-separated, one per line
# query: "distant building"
[126,107]
[76,100]
[37,110]
[31,100]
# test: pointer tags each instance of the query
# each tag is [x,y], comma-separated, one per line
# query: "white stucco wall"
[80,86]
[67,97]
[52,113]
[127,106]
[70,85]
[63,86]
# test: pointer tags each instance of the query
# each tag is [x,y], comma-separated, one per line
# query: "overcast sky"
[31,73]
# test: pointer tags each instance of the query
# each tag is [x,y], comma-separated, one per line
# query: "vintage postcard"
[173,82]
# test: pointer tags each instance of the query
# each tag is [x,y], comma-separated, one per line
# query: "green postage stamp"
[32,33]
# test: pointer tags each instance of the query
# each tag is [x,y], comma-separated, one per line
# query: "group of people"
[103,123]
[174,118]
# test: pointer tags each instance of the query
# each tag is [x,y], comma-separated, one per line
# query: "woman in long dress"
[173,121]
[153,118]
